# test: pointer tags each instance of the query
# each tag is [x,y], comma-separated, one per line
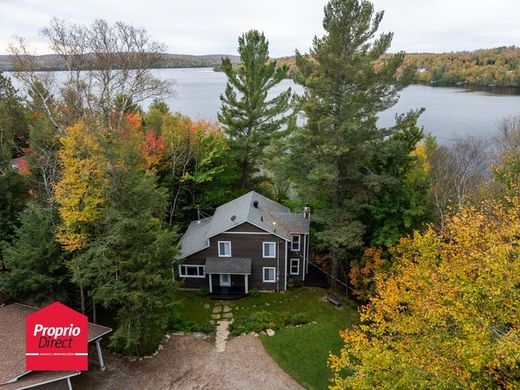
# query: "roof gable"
[252,208]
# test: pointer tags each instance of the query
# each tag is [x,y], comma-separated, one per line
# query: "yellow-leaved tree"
[447,315]
[79,193]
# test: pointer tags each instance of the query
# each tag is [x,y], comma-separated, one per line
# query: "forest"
[95,191]
[484,68]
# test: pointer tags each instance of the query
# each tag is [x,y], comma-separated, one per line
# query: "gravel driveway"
[191,363]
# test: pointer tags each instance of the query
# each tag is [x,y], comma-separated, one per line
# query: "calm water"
[449,112]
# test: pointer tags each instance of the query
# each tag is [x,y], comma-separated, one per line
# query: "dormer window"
[295,243]
[224,248]
[269,249]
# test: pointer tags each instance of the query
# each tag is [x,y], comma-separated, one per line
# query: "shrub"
[178,324]
[255,293]
[263,320]
[297,319]
[203,292]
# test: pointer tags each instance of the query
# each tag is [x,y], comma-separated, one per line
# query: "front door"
[225,280]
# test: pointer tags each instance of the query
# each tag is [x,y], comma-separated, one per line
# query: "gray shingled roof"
[196,238]
[228,265]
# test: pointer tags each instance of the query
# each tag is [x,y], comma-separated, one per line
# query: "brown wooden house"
[250,242]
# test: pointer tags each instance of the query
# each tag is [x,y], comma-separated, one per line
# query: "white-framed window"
[294,267]
[224,249]
[191,271]
[269,274]
[295,242]
[269,249]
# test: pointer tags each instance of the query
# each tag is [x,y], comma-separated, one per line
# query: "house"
[249,243]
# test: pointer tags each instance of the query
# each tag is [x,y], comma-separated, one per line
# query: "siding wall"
[249,245]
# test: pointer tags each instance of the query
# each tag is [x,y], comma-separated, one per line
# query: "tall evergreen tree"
[343,92]
[35,261]
[250,117]
[126,266]
[13,136]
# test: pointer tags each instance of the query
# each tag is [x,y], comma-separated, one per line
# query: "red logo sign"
[56,339]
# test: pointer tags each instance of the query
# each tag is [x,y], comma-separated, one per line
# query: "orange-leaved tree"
[447,315]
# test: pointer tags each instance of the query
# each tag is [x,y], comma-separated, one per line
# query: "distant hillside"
[55,62]
[498,67]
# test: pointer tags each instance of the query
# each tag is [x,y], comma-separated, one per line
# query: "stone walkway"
[224,317]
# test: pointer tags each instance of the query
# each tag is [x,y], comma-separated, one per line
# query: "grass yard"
[300,351]
[193,307]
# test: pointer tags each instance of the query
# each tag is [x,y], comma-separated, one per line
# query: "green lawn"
[300,351]
[191,307]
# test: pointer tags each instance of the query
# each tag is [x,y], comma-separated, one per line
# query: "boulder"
[270,332]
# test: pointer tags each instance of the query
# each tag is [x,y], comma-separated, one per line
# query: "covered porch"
[228,277]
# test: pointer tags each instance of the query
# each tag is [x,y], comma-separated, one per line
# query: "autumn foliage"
[79,193]
[447,316]
[363,271]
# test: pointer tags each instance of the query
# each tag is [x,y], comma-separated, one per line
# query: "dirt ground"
[191,363]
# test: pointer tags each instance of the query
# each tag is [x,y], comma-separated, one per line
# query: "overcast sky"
[212,27]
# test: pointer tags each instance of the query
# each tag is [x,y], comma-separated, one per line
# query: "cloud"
[208,26]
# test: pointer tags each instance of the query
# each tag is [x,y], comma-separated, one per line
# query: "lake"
[450,112]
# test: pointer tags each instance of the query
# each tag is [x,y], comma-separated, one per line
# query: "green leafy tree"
[344,90]
[13,124]
[397,182]
[13,137]
[251,118]
[13,196]
[34,260]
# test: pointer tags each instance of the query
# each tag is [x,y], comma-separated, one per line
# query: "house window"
[269,274]
[224,248]
[191,271]
[269,249]
[295,243]
[295,267]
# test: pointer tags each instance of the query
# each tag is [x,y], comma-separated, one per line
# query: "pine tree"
[250,117]
[35,261]
[344,91]
[126,266]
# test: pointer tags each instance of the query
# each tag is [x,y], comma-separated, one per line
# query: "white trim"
[218,247]
[263,275]
[66,377]
[192,266]
[292,242]
[251,223]
[273,233]
[228,284]
[192,253]
[291,266]
[228,273]
[308,242]
[304,257]
[285,273]
[257,233]
[263,250]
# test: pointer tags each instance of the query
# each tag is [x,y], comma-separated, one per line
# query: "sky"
[212,26]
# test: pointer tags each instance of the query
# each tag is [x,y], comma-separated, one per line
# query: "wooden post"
[210,284]
[247,287]
[100,355]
